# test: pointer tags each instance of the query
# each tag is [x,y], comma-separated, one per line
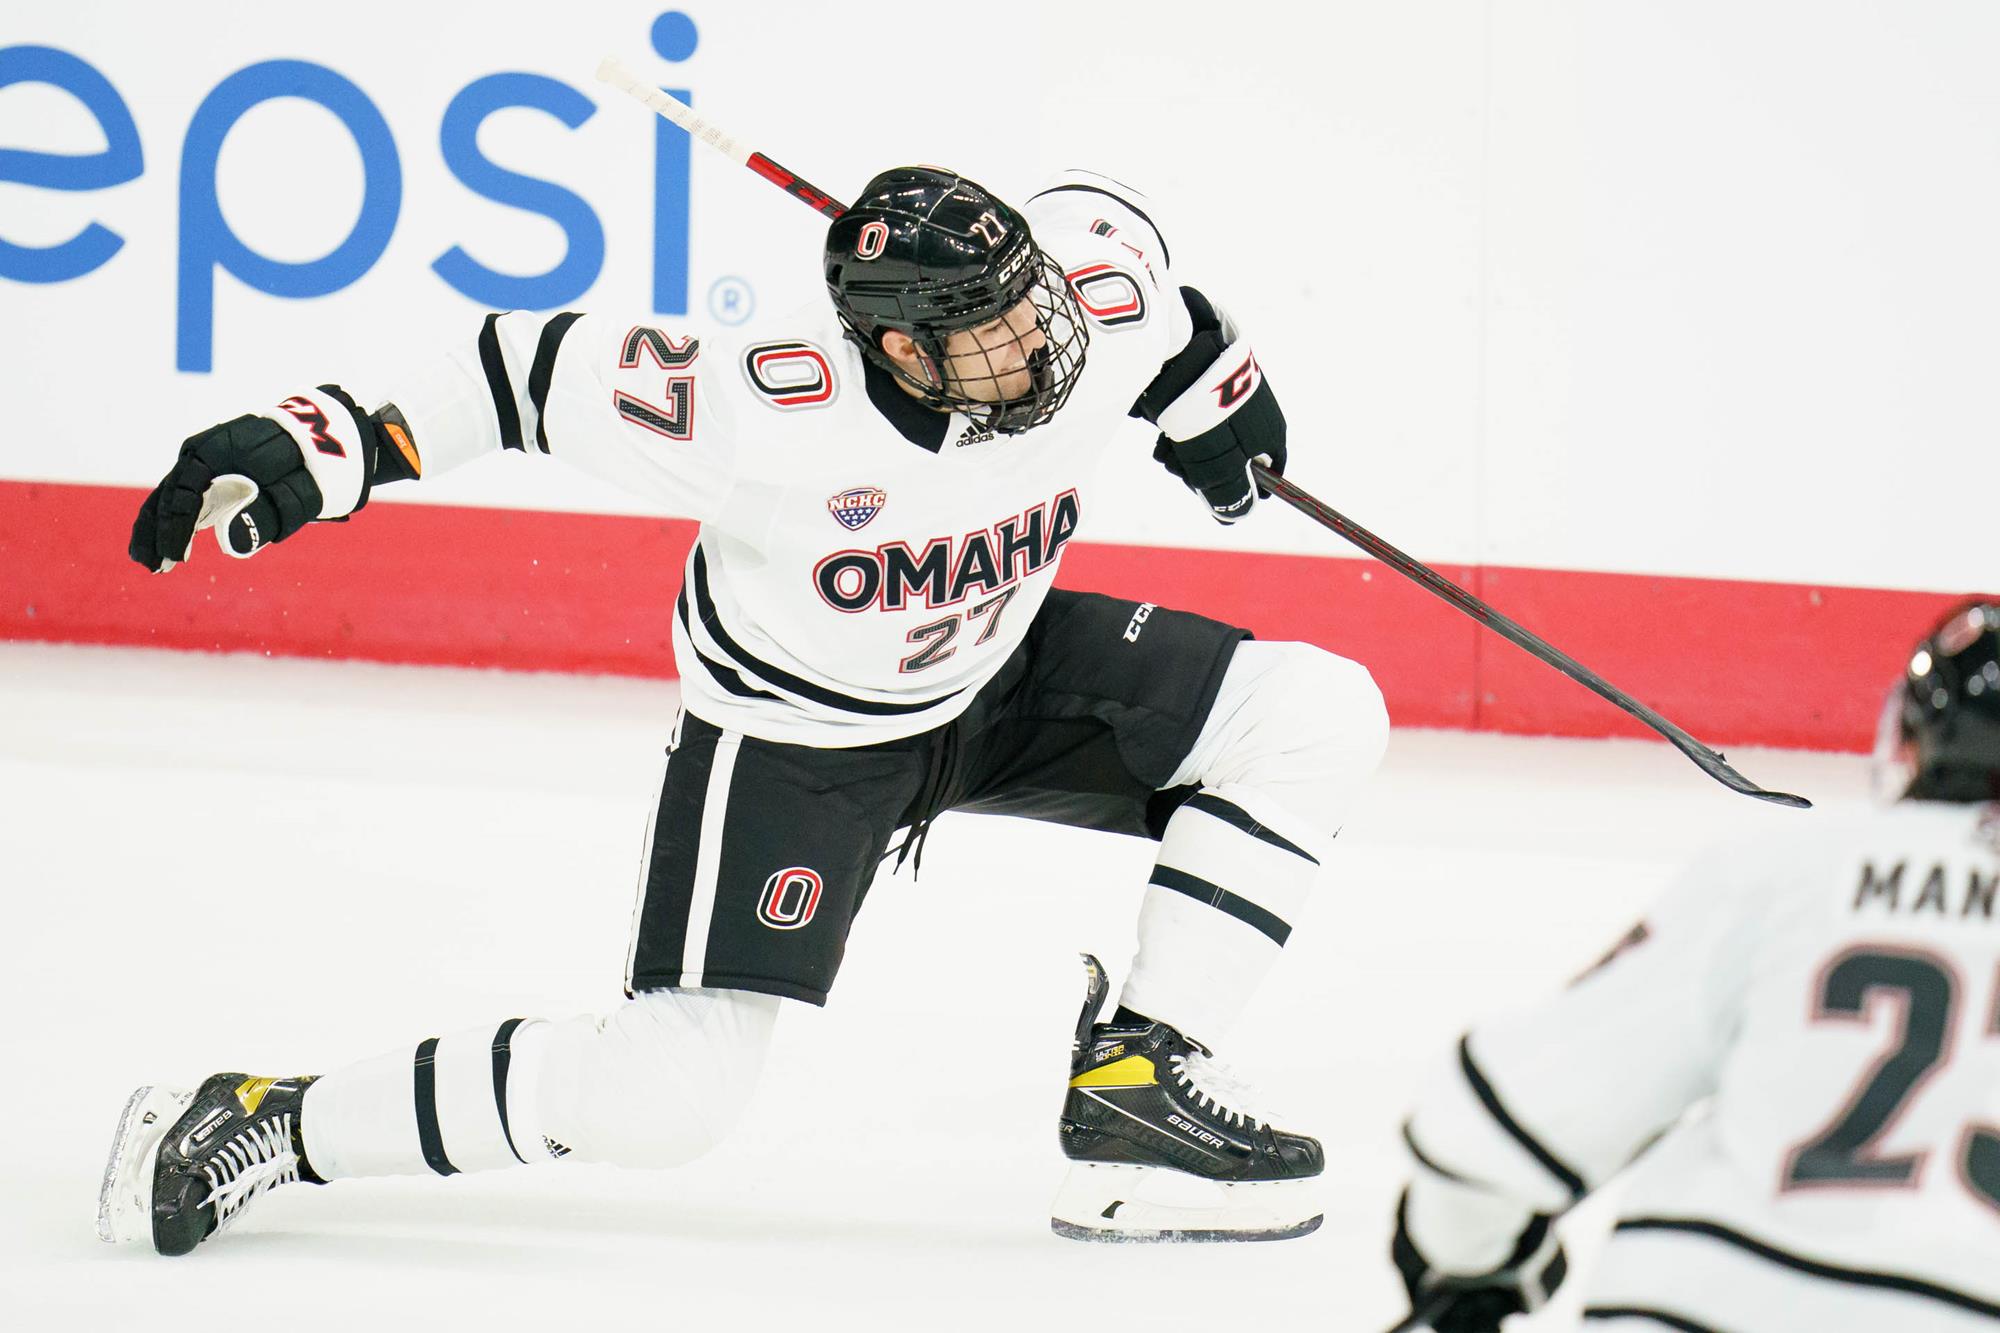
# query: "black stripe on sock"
[1660,1317]
[1482,1089]
[1235,815]
[1858,1277]
[428,1136]
[544,370]
[503,1055]
[1222,900]
[1430,1163]
[505,411]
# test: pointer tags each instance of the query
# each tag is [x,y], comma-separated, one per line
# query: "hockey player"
[867,636]
[1812,1023]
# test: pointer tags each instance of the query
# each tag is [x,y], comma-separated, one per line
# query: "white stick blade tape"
[613,71]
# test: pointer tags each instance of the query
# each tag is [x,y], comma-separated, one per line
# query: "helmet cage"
[930,254]
[953,383]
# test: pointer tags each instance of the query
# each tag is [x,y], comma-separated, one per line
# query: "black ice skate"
[184,1164]
[1160,1148]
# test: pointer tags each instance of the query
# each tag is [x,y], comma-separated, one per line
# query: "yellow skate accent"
[251,1093]
[1134,1071]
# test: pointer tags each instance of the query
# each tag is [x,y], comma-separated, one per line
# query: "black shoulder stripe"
[1482,1089]
[544,370]
[1660,1317]
[497,384]
[1128,205]
[1859,1277]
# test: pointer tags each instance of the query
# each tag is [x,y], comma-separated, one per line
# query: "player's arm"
[1215,410]
[1532,1112]
[617,400]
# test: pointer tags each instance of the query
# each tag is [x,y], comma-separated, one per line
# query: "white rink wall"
[1689,288]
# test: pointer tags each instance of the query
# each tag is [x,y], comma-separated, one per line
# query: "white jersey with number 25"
[1813,1022]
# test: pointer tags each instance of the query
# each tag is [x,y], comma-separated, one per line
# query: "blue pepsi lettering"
[207,243]
[583,234]
[122,160]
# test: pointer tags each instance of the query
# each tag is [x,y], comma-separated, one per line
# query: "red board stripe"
[1734,662]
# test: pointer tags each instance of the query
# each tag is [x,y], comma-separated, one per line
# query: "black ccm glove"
[259,479]
[1216,414]
[1523,1282]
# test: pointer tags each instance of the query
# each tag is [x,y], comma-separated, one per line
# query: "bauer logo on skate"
[791,896]
[948,569]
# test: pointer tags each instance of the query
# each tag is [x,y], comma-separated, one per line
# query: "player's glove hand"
[1216,415]
[1478,1304]
[259,479]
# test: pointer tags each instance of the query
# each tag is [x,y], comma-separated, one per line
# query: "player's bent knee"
[1325,721]
[661,1080]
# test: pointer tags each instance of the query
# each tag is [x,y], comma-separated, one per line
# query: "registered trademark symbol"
[730,301]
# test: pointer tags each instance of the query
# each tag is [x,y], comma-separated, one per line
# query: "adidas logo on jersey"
[974,434]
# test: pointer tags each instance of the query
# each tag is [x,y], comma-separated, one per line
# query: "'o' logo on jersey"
[1108,294]
[873,240]
[791,896]
[789,375]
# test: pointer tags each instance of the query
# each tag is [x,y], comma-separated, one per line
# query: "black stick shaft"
[1708,760]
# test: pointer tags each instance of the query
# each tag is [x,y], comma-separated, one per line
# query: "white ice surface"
[276,866]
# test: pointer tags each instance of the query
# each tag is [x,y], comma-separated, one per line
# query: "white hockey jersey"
[1828,1007]
[864,564]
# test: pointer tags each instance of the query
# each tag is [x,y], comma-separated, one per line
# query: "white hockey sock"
[658,1081]
[1221,902]
[463,1102]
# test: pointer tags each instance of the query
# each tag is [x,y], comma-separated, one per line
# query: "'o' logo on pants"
[791,896]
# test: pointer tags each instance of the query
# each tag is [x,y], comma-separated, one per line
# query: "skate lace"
[1215,1088]
[259,1157]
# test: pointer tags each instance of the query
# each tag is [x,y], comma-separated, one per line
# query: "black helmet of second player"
[929,253]
[1940,733]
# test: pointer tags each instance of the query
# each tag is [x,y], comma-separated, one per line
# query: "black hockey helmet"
[1940,733]
[929,253]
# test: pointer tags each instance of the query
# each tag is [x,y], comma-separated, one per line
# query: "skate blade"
[124,1201]
[1150,1205]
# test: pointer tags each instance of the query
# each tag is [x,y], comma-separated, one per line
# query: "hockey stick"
[611,71]
[1708,760]
[680,113]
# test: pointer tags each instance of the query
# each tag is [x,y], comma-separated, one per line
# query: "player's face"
[994,362]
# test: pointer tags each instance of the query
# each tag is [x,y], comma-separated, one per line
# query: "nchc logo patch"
[856,507]
[791,896]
